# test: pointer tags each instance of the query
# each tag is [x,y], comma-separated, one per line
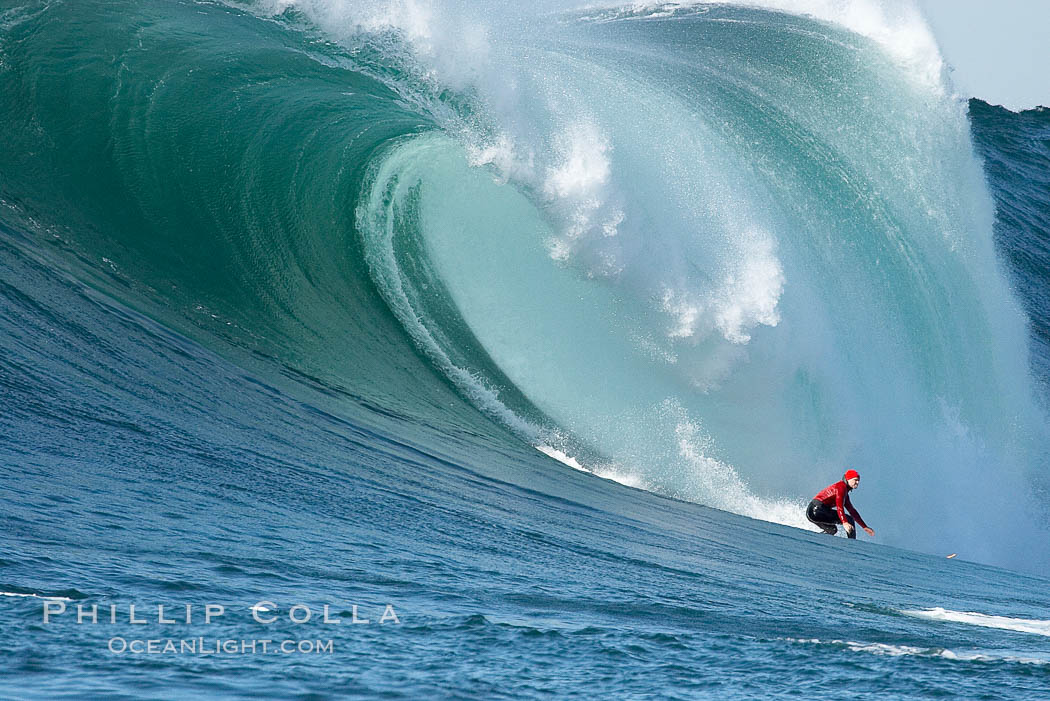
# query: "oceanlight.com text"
[218,646]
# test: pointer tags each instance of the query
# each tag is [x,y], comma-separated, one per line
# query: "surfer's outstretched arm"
[856,517]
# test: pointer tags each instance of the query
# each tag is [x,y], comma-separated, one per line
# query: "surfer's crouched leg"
[823,517]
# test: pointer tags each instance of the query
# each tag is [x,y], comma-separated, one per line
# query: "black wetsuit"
[827,517]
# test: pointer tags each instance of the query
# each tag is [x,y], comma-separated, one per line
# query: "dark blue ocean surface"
[264,345]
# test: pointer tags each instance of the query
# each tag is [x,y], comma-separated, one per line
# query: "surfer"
[831,505]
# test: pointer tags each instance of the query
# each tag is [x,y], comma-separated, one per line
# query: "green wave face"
[205,163]
[717,253]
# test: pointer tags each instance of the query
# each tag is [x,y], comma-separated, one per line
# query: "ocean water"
[470,351]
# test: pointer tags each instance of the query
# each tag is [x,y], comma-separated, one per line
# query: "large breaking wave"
[717,252]
[724,252]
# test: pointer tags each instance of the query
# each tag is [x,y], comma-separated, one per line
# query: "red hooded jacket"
[839,493]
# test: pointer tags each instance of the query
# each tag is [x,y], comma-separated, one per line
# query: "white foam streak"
[561,457]
[36,596]
[615,473]
[891,650]
[1020,625]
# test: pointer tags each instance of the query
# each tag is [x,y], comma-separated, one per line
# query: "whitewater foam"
[561,457]
[1020,625]
[614,473]
[893,650]
[35,596]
